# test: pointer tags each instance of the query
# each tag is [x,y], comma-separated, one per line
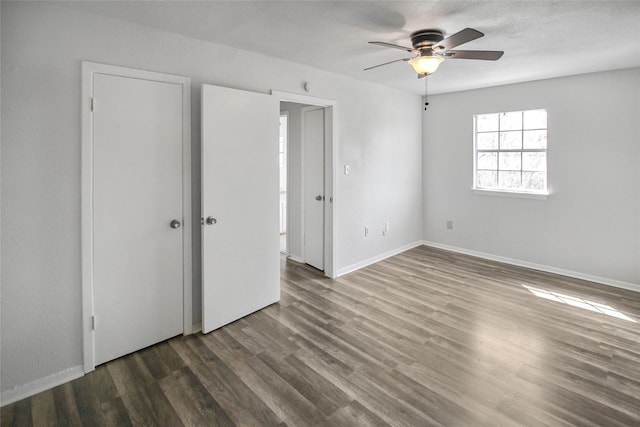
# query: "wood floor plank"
[280,396]
[128,372]
[114,414]
[353,415]
[193,404]
[159,405]
[317,390]
[17,414]
[66,405]
[427,337]
[43,409]
[238,400]
[87,402]
[160,360]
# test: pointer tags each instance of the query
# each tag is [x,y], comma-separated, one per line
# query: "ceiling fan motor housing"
[426,39]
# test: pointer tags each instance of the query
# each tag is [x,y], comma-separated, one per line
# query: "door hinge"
[93,100]
[93,323]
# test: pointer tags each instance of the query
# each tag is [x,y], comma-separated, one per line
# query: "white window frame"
[501,192]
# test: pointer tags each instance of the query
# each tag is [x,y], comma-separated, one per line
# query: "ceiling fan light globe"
[426,64]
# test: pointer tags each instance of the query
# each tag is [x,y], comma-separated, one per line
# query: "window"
[510,151]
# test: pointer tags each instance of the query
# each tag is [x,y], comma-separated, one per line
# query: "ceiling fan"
[432,48]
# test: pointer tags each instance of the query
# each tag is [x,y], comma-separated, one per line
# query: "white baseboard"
[541,267]
[42,384]
[377,258]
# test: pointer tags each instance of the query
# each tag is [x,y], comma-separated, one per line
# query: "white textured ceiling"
[541,39]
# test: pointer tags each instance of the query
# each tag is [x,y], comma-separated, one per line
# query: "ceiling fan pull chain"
[425,93]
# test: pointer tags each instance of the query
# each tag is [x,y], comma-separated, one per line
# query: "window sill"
[512,194]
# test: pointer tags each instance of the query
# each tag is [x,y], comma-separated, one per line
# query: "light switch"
[347,169]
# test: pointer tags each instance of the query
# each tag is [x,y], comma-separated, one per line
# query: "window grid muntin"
[497,151]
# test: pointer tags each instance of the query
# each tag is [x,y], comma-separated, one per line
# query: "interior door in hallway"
[240,204]
[314,191]
[137,213]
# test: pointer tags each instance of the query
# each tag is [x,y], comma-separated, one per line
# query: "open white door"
[314,193]
[240,204]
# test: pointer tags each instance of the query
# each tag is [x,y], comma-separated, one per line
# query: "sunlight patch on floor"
[578,302]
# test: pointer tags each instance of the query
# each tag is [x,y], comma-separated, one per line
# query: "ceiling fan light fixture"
[426,64]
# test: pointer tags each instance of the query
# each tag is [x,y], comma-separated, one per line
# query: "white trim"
[361,264]
[331,141]
[41,384]
[286,113]
[510,194]
[86,214]
[89,69]
[303,99]
[534,266]
[330,156]
[518,193]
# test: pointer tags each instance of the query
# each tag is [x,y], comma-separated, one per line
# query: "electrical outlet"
[366,230]
[385,228]
[449,224]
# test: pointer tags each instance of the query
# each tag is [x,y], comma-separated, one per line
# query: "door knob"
[175,224]
[318,197]
[211,220]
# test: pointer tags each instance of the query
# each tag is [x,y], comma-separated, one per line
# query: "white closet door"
[137,193]
[314,197]
[240,200]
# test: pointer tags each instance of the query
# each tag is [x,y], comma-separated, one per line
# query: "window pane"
[515,144]
[487,141]
[509,179]
[535,138]
[534,162]
[535,119]
[487,179]
[488,161]
[510,140]
[534,181]
[486,122]
[510,161]
[511,121]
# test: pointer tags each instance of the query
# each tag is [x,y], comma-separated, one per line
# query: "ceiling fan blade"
[487,55]
[395,46]
[460,37]
[386,63]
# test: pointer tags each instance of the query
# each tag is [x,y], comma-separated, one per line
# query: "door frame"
[89,69]
[287,113]
[330,150]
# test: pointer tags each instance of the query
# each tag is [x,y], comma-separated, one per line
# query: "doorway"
[310,115]
[136,210]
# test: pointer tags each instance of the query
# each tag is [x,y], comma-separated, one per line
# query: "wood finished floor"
[427,337]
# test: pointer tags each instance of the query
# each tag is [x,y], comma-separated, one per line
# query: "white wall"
[379,134]
[590,224]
